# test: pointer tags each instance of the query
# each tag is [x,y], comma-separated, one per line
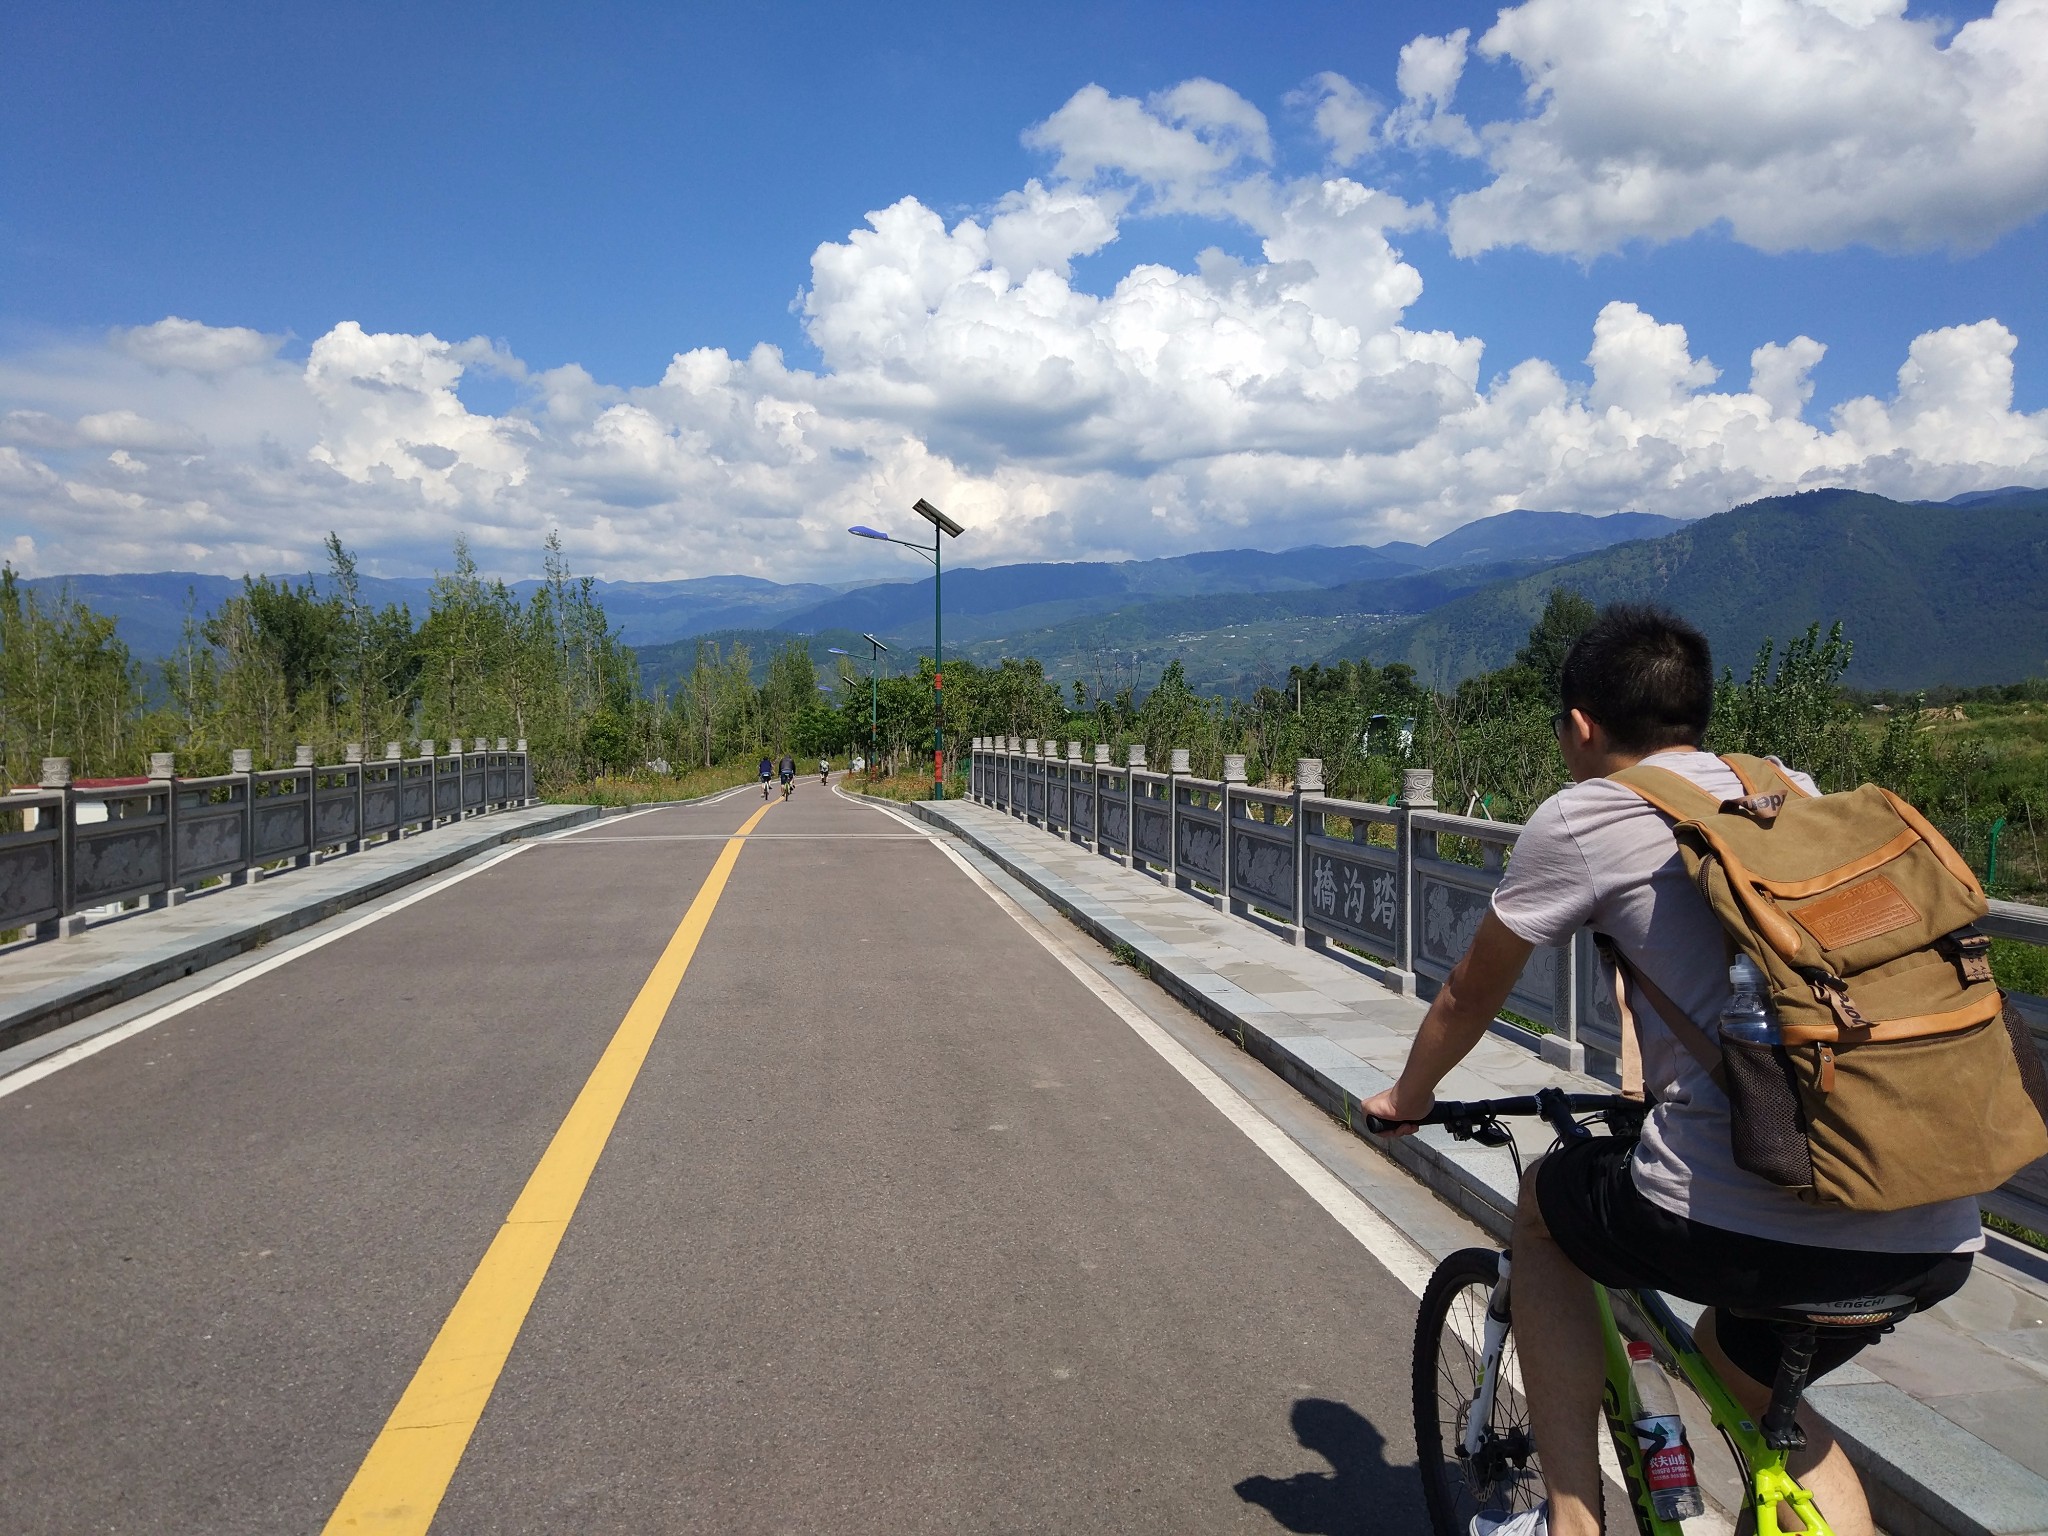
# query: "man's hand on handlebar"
[1400,1106]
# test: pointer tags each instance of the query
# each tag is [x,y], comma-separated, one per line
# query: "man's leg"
[1823,1467]
[1557,1333]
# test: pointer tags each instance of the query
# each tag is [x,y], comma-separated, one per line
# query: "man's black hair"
[1644,674]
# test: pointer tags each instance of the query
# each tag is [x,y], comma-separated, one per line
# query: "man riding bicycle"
[1670,1211]
[788,774]
[767,773]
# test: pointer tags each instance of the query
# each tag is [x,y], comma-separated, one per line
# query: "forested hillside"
[1933,594]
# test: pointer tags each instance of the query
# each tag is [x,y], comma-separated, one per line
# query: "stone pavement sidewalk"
[45,986]
[1947,1419]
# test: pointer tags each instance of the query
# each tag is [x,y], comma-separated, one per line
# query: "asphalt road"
[900,1229]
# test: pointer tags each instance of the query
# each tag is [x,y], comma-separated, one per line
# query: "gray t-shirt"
[1596,853]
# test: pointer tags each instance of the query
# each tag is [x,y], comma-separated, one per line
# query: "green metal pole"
[938,677]
[874,706]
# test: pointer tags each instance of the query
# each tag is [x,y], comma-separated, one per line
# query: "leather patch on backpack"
[1863,911]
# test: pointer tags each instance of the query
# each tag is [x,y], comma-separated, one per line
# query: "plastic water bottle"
[1748,1016]
[1660,1433]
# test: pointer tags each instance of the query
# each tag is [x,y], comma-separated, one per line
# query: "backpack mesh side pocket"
[2033,1077]
[1769,1121]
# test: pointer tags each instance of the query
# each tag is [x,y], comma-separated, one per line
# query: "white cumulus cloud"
[1800,124]
[1276,396]
[173,342]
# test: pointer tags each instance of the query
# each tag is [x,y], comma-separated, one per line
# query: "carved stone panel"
[1201,850]
[1447,915]
[335,820]
[1034,795]
[1149,828]
[28,883]
[1056,800]
[1116,820]
[447,795]
[281,830]
[416,800]
[1358,899]
[1084,808]
[208,844]
[108,865]
[380,808]
[1262,869]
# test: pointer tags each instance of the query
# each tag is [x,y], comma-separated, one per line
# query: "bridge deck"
[901,1228]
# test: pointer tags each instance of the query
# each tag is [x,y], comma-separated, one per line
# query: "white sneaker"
[1530,1522]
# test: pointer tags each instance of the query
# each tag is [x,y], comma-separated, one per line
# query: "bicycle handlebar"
[1470,1119]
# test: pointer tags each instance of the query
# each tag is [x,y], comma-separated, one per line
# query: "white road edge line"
[36,1071]
[1395,1251]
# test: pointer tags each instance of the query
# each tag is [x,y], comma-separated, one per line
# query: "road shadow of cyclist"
[1360,1496]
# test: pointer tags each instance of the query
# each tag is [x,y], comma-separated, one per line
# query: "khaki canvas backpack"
[1903,1077]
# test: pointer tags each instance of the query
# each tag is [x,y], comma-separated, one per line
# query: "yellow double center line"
[401,1482]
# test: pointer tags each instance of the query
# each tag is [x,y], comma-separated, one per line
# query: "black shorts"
[1587,1192]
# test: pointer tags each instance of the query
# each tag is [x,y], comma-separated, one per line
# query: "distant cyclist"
[767,773]
[788,774]
[824,770]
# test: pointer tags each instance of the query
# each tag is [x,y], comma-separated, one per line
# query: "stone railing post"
[1049,754]
[525,771]
[1233,773]
[1073,772]
[163,771]
[1308,780]
[242,761]
[56,775]
[1100,767]
[1134,764]
[353,754]
[433,762]
[1176,770]
[1031,767]
[1418,793]
[302,757]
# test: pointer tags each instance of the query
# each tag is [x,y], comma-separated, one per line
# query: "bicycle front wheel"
[1501,1477]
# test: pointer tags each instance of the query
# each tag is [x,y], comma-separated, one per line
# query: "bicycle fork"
[1472,1434]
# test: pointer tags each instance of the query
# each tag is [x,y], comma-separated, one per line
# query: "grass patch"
[1123,954]
[908,786]
[2020,967]
[2015,1231]
[643,787]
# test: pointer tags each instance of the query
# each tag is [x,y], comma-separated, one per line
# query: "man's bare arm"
[1457,1017]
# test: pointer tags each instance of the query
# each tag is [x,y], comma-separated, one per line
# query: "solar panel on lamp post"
[941,524]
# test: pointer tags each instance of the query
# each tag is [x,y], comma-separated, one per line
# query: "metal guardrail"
[71,849]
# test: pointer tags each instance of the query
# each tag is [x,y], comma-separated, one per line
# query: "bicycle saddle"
[1852,1312]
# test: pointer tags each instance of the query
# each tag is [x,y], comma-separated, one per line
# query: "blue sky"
[602,188]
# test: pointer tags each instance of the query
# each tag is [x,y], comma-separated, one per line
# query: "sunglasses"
[1557,721]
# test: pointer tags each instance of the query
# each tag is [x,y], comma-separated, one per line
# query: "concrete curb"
[1925,1475]
[147,966]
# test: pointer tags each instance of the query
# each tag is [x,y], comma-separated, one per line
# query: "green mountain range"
[1928,593]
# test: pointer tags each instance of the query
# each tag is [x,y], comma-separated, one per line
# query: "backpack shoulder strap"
[1761,776]
[1673,794]
[1688,1034]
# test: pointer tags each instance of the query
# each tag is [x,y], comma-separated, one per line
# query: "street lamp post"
[941,524]
[875,650]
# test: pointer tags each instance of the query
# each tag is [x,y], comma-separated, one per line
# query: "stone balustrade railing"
[1376,880]
[70,847]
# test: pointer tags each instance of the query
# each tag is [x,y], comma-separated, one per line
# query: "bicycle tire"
[1505,1477]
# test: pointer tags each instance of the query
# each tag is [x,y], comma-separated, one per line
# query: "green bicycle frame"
[1769,1483]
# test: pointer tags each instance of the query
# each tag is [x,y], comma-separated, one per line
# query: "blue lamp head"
[833,650]
[868,533]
